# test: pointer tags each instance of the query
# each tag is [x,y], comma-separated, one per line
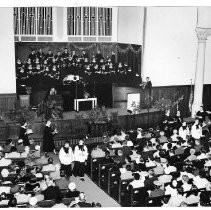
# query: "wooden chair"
[46,203]
[156,201]
[103,173]
[113,183]
[137,197]
[123,188]
[94,164]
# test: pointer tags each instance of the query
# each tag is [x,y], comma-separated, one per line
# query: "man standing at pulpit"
[148,86]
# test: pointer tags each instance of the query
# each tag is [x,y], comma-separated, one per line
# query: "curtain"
[130,54]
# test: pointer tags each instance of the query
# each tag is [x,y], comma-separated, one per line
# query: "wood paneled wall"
[171,92]
[7,101]
[73,130]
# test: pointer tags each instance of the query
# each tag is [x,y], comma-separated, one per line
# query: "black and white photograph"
[105,104]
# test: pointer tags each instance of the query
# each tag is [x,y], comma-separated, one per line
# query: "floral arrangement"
[98,115]
[163,104]
[146,104]
[21,114]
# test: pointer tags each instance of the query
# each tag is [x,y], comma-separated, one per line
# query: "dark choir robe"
[201,116]
[84,55]
[18,66]
[113,58]
[177,122]
[49,57]
[23,135]
[148,85]
[65,56]
[48,143]
[74,58]
[168,125]
[32,56]
[41,56]
[98,57]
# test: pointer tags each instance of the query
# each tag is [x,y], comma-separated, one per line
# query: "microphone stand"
[76,90]
[94,88]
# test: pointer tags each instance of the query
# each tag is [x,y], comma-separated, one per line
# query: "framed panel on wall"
[133,99]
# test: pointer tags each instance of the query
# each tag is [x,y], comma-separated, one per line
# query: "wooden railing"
[73,129]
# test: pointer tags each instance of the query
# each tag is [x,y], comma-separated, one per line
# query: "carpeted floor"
[92,191]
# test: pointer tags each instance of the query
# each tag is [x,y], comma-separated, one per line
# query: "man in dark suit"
[52,191]
[72,192]
[148,86]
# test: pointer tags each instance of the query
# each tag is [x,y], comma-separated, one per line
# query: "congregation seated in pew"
[156,163]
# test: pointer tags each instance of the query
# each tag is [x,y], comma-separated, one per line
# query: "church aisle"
[92,191]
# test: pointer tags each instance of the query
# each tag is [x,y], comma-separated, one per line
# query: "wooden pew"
[94,165]
[103,173]
[123,188]
[113,182]
[156,201]
[136,196]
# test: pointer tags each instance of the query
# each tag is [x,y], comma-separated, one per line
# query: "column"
[202,34]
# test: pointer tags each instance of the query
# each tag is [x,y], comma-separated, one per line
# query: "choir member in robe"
[80,157]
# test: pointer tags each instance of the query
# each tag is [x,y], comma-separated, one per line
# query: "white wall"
[170,45]
[130,25]
[204,21]
[204,17]
[7,52]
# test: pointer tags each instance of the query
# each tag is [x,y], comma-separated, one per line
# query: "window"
[33,21]
[89,21]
